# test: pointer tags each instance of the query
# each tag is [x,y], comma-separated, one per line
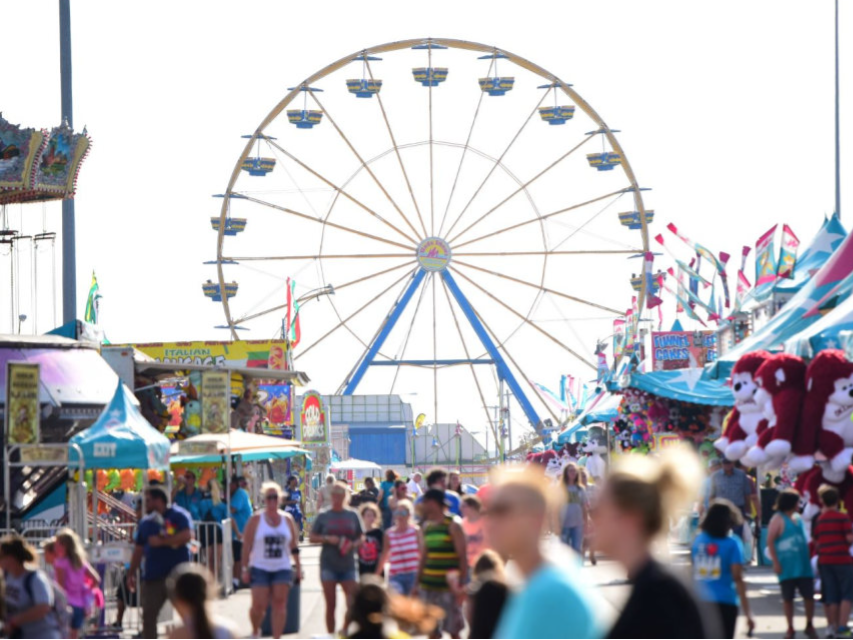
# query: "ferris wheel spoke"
[343,322]
[502,346]
[523,186]
[464,153]
[396,148]
[497,163]
[510,254]
[334,256]
[540,218]
[341,190]
[408,336]
[536,286]
[362,161]
[434,350]
[299,214]
[470,365]
[527,321]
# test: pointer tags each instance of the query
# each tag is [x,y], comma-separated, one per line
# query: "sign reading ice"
[434,254]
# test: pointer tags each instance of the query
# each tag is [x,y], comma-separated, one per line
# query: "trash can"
[291,625]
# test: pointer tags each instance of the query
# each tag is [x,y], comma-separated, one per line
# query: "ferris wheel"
[473,215]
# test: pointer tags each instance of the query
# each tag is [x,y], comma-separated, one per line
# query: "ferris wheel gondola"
[447,231]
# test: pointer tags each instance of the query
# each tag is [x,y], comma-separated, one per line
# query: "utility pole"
[837,124]
[69,246]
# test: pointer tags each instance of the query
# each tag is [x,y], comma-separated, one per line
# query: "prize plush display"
[781,387]
[746,422]
[826,430]
[595,445]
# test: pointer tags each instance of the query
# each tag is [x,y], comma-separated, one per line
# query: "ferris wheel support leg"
[387,327]
[504,372]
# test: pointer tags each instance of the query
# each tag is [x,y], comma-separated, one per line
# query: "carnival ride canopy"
[210,448]
[828,238]
[355,465]
[821,293]
[825,333]
[604,408]
[71,372]
[687,385]
[121,438]
[38,165]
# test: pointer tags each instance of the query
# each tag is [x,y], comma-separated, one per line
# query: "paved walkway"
[763,591]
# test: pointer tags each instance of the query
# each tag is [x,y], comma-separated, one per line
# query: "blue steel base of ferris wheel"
[495,357]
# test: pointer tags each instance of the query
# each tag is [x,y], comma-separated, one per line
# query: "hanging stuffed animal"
[746,421]
[594,447]
[826,429]
[781,387]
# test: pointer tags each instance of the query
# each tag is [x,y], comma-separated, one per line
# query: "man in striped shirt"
[833,535]
[444,568]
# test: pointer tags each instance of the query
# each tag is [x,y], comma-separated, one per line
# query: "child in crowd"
[371,549]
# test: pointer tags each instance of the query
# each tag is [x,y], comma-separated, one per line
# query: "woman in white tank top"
[269,540]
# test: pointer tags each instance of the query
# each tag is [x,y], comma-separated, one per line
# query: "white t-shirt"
[414,489]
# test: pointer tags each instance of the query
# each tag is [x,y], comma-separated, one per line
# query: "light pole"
[837,124]
[69,245]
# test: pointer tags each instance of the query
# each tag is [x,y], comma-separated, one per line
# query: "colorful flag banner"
[719,264]
[652,300]
[787,253]
[550,397]
[93,302]
[683,305]
[694,275]
[765,262]
[293,330]
[724,278]
[618,338]
[744,255]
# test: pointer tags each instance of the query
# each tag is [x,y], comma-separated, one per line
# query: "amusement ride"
[472,217]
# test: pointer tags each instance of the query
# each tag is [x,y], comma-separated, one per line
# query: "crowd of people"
[423,556]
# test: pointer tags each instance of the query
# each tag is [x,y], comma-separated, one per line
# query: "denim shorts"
[836,583]
[261,578]
[327,575]
[78,617]
[403,583]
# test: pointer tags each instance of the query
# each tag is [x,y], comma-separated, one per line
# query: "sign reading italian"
[215,401]
[254,354]
[22,405]
[683,349]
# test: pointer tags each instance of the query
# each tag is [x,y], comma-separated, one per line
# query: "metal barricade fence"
[212,549]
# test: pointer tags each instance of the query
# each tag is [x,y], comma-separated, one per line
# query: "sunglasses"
[401,514]
[271,497]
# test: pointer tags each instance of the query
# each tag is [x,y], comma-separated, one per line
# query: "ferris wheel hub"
[434,254]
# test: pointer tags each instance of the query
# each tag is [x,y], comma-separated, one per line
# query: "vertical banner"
[788,253]
[215,401]
[23,417]
[765,260]
[312,419]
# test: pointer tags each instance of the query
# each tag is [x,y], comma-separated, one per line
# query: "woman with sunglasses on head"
[402,547]
[269,539]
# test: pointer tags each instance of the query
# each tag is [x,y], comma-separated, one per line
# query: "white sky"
[725,110]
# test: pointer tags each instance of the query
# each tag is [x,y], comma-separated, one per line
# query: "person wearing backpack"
[30,597]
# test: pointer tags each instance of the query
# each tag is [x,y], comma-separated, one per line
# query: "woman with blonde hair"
[71,569]
[269,540]
[633,512]
[214,512]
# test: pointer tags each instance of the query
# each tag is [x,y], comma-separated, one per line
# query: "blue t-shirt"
[387,491]
[530,612]
[294,509]
[217,512]
[241,507]
[712,567]
[159,561]
[191,503]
